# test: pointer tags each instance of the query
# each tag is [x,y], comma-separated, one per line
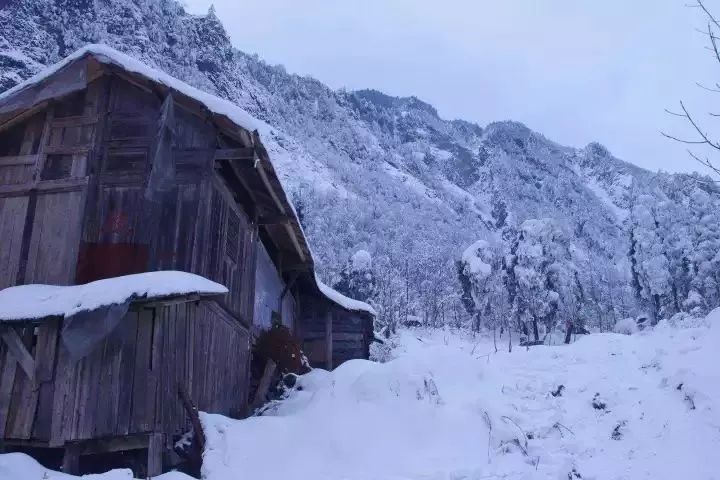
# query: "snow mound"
[39,301]
[18,466]
[626,326]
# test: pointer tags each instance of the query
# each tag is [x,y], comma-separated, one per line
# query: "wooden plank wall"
[351,332]
[26,404]
[350,336]
[311,329]
[236,272]
[43,177]
[129,383]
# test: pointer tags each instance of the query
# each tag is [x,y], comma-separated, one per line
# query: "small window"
[130,128]
[57,167]
[11,140]
[70,106]
[232,236]
[126,160]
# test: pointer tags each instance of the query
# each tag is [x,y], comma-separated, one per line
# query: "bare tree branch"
[708,13]
[707,163]
[712,24]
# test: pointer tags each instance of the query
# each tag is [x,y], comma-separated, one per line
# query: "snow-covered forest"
[392,196]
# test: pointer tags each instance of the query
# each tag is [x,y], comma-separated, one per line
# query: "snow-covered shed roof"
[34,302]
[36,90]
[346,302]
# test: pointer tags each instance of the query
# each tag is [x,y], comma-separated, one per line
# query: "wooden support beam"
[115,444]
[23,116]
[18,160]
[156,445]
[17,348]
[71,459]
[275,220]
[328,340]
[235,154]
[265,384]
[297,267]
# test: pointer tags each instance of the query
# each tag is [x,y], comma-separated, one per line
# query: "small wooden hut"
[110,168]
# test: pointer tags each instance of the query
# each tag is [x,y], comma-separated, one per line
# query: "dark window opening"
[232,236]
[126,160]
[70,106]
[11,140]
[130,128]
[57,167]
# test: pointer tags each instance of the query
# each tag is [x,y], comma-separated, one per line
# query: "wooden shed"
[110,168]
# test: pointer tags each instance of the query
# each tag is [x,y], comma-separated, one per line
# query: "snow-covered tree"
[357,279]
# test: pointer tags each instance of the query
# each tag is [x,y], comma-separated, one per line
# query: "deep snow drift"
[609,406]
[630,407]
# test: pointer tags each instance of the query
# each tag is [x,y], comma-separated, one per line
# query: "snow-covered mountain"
[366,170]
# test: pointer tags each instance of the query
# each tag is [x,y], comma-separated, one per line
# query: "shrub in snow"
[279,345]
[626,326]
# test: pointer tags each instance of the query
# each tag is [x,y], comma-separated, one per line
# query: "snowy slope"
[631,407]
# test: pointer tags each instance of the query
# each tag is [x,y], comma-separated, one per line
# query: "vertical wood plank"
[328,340]
[7,380]
[47,349]
[126,380]
[156,445]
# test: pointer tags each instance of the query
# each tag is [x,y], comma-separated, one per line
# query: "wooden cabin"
[110,168]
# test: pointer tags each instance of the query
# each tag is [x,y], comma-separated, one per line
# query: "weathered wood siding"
[350,335]
[129,383]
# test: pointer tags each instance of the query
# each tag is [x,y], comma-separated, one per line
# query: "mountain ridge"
[365,170]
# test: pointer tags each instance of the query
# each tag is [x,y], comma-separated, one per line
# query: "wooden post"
[156,445]
[328,340]
[264,385]
[71,459]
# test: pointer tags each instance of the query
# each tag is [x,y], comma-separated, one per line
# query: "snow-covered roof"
[28,302]
[345,302]
[110,56]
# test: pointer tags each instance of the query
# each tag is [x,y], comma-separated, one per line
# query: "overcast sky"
[575,70]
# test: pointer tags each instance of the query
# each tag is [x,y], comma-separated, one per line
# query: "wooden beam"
[265,384]
[71,459]
[55,186]
[275,220]
[78,121]
[263,175]
[235,154]
[156,445]
[115,444]
[23,116]
[18,160]
[328,340]
[17,348]
[297,267]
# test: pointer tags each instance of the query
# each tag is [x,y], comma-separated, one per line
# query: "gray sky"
[574,70]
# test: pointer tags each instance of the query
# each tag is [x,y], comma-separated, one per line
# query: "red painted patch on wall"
[106,260]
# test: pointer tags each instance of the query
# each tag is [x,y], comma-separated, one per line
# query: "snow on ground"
[18,466]
[610,406]
[645,406]
[39,301]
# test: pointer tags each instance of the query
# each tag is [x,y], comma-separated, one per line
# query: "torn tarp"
[162,175]
[85,330]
